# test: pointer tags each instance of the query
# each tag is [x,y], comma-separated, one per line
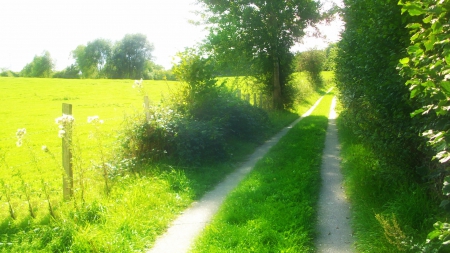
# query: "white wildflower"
[137,84]
[61,133]
[20,134]
[94,120]
[64,123]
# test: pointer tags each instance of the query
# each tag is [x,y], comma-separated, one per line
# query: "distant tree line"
[129,58]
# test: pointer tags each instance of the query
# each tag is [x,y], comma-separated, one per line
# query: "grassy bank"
[273,208]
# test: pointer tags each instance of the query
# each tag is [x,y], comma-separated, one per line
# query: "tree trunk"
[277,102]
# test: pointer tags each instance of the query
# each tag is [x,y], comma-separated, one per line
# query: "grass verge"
[272,209]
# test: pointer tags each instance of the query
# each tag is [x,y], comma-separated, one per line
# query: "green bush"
[195,132]
[9,73]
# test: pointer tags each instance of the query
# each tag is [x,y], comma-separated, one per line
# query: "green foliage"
[91,59]
[197,132]
[428,72]
[8,73]
[273,208]
[71,72]
[157,72]
[258,35]
[374,96]
[129,57]
[41,66]
[312,62]
[196,71]
[381,189]
[330,54]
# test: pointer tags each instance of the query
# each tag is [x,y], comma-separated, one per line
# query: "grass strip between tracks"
[274,208]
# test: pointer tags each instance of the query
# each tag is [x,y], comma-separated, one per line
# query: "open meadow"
[26,165]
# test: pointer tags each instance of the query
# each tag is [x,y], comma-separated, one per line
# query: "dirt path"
[187,227]
[334,231]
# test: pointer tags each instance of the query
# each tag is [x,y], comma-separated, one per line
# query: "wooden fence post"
[146,108]
[238,92]
[67,156]
[255,104]
[247,97]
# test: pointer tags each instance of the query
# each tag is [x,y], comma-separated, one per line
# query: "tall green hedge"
[372,91]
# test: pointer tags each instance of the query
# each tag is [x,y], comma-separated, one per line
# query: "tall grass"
[273,209]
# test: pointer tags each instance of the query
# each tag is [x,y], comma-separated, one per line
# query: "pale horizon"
[32,27]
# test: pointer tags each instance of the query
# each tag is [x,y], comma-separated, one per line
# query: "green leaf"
[429,44]
[416,35]
[437,27]
[417,112]
[433,234]
[414,93]
[414,49]
[428,84]
[446,87]
[414,26]
[447,59]
[428,19]
[413,9]
[404,61]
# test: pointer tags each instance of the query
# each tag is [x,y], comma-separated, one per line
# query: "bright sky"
[28,27]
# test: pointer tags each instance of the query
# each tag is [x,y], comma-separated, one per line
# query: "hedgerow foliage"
[380,51]
[198,121]
[427,68]
[372,91]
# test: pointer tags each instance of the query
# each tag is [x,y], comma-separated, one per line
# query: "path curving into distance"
[333,224]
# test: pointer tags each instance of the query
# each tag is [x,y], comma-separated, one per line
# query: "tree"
[79,55]
[91,59]
[41,66]
[98,52]
[71,72]
[330,55]
[312,62]
[129,57]
[260,32]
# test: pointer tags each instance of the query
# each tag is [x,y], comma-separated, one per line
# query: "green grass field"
[34,104]
[139,206]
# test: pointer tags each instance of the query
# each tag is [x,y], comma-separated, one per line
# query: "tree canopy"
[257,35]
[41,66]
[92,58]
[129,57]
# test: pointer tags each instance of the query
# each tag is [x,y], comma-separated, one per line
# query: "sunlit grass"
[139,206]
[274,208]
